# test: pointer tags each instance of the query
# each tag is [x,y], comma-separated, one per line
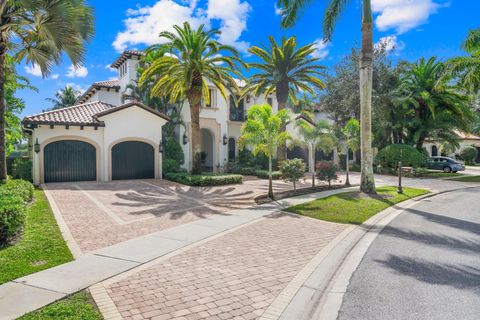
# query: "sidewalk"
[31,292]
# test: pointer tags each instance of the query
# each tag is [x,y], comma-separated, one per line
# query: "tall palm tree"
[437,106]
[190,59]
[284,70]
[290,10]
[468,68]
[316,135]
[349,140]
[65,97]
[39,32]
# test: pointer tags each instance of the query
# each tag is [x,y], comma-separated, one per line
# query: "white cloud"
[143,24]
[79,72]
[34,70]
[77,87]
[403,15]
[109,68]
[55,76]
[278,11]
[233,15]
[391,43]
[321,49]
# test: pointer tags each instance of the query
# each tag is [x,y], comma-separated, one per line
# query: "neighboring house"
[102,139]
[464,139]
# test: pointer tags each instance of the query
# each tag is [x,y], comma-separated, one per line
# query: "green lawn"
[467,179]
[354,207]
[441,174]
[41,246]
[76,307]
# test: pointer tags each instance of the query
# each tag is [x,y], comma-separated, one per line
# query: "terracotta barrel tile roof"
[81,114]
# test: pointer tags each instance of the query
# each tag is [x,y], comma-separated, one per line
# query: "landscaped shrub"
[469,154]
[22,169]
[174,151]
[392,154]
[326,171]
[355,167]
[204,180]
[263,174]
[12,216]
[420,172]
[292,170]
[170,165]
[21,188]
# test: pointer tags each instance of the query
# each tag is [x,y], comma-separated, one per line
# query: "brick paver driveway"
[102,214]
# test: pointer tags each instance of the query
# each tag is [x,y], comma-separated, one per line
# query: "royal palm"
[65,97]
[39,32]
[290,10]
[190,59]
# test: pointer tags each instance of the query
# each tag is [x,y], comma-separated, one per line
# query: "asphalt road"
[424,265]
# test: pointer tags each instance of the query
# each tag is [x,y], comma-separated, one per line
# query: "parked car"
[445,164]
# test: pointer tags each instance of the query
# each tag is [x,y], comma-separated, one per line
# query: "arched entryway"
[133,160]
[231,149]
[207,150]
[434,151]
[69,160]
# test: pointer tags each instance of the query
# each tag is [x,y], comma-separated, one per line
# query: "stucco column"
[311,158]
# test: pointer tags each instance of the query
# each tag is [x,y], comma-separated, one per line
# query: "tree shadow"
[457,276]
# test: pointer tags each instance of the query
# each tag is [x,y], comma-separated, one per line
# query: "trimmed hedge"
[469,154]
[392,154]
[14,196]
[170,165]
[263,174]
[204,180]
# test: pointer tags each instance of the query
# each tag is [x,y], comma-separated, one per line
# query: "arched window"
[231,149]
[434,151]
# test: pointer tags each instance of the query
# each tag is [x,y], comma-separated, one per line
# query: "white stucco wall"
[463,143]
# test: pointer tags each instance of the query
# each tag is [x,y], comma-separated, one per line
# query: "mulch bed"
[301,191]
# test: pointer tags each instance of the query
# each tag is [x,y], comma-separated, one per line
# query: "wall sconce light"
[161,146]
[185,138]
[36,146]
[248,99]
[225,139]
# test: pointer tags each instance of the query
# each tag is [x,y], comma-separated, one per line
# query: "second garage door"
[133,160]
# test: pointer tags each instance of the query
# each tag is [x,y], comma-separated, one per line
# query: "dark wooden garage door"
[69,160]
[133,160]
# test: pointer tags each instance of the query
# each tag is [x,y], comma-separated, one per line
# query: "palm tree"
[39,32]
[349,140]
[191,58]
[316,135]
[290,10]
[65,97]
[437,106]
[263,131]
[284,70]
[468,68]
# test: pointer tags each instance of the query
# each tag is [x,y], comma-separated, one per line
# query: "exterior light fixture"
[185,138]
[36,146]
[225,139]
[161,146]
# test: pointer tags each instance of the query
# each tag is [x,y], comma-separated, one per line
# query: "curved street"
[423,265]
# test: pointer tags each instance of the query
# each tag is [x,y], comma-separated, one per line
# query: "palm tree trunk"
[347,167]
[3,155]
[367,183]
[194,99]
[270,186]
[281,92]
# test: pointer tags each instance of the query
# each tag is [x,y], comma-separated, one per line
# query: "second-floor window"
[211,102]
[237,112]
[270,101]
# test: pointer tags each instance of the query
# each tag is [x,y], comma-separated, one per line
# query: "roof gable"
[132,104]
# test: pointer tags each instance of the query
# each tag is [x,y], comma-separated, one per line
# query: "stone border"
[62,225]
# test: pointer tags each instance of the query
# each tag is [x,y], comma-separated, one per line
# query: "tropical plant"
[134,92]
[284,70]
[469,154]
[292,170]
[193,58]
[263,132]
[434,105]
[290,10]
[39,32]
[467,68]
[349,140]
[327,171]
[65,97]
[390,156]
[314,135]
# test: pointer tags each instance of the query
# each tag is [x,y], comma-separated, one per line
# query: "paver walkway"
[34,291]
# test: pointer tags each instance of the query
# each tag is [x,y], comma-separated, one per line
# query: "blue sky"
[419,28]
